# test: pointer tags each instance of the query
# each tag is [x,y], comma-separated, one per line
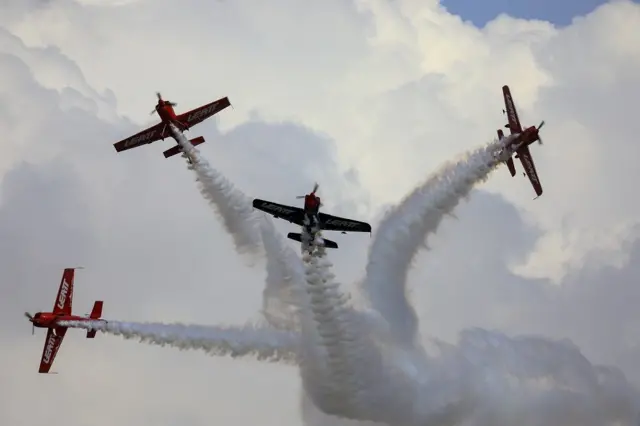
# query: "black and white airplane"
[310,218]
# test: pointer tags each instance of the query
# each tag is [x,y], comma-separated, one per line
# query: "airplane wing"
[64,299]
[198,115]
[51,345]
[292,214]
[512,114]
[530,168]
[152,134]
[335,223]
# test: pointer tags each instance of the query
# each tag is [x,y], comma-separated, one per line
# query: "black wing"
[335,223]
[290,213]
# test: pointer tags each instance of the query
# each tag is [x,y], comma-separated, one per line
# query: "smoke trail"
[532,380]
[329,381]
[404,229]
[487,379]
[351,373]
[246,226]
[283,292]
[264,344]
[234,207]
[340,364]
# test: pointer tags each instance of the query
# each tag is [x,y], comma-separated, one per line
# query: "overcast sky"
[366,97]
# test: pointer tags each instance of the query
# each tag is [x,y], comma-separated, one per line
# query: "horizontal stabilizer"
[178,149]
[298,237]
[511,166]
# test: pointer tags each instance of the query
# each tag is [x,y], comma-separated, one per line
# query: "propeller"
[33,326]
[159,95]
[166,102]
[538,128]
[315,188]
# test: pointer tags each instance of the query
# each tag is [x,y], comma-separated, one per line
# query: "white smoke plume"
[355,374]
[284,289]
[326,370]
[341,365]
[234,207]
[261,343]
[404,229]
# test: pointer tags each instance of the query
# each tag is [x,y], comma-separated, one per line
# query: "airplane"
[61,312]
[311,218]
[520,144]
[167,115]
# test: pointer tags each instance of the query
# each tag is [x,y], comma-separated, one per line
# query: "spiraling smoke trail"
[326,369]
[234,207]
[404,229]
[353,371]
[356,376]
[342,367]
[261,343]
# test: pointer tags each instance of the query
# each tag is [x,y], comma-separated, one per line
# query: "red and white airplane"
[182,122]
[61,312]
[520,144]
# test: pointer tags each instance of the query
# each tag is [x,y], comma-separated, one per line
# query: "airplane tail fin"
[510,165]
[298,237]
[178,149]
[96,313]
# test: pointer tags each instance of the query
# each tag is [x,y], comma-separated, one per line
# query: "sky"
[558,13]
[367,97]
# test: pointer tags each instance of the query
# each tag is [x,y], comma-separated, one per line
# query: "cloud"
[465,282]
[365,97]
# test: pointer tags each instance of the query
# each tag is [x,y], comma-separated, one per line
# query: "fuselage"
[166,112]
[168,115]
[530,135]
[51,320]
[526,138]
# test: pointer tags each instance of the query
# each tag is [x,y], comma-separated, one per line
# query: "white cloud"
[392,89]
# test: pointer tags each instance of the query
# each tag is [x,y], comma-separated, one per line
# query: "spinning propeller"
[315,188]
[33,326]
[166,102]
[538,129]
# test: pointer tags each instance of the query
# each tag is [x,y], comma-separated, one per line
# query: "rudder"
[96,313]
[178,149]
